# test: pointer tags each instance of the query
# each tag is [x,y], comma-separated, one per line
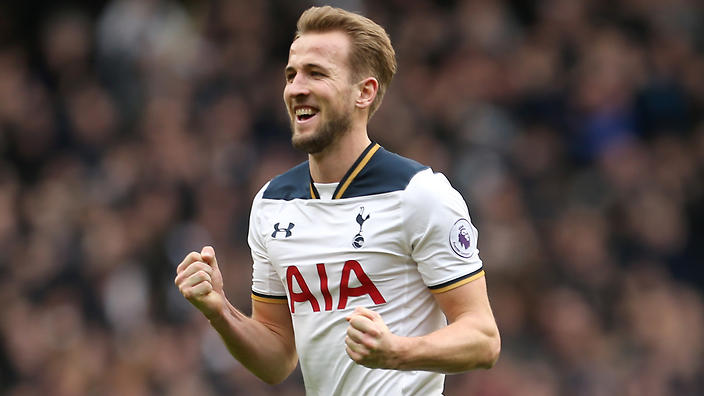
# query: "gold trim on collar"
[356,170]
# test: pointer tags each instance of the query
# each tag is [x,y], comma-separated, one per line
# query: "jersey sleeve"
[442,238]
[266,283]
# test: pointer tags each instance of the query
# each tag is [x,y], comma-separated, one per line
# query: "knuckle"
[203,267]
[191,257]
[202,275]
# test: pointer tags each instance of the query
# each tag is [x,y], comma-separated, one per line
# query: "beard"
[326,134]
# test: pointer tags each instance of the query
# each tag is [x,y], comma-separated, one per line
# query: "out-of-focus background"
[135,131]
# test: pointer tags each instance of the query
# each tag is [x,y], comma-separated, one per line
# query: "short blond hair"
[371,52]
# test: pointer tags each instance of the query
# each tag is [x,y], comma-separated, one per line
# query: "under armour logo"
[286,230]
[358,240]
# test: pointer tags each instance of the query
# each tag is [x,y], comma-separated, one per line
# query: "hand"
[199,279]
[369,341]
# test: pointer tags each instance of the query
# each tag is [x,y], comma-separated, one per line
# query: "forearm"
[263,348]
[460,346]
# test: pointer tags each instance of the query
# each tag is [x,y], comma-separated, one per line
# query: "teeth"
[304,111]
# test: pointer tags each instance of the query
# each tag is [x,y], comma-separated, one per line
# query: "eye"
[317,74]
[290,77]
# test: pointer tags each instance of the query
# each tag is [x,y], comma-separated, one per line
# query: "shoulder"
[380,173]
[395,168]
[429,182]
[292,184]
[428,190]
[385,172]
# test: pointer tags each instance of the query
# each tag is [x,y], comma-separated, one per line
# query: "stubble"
[337,124]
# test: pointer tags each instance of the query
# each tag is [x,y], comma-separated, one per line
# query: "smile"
[305,113]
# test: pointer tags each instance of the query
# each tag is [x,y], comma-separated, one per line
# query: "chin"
[302,137]
[309,146]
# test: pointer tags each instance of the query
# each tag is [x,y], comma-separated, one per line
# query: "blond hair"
[371,52]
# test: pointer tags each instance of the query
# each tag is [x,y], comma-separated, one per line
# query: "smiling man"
[318,92]
[365,264]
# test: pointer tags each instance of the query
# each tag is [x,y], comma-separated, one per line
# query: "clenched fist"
[369,341]
[200,281]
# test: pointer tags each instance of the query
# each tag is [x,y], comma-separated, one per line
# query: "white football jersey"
[393,233]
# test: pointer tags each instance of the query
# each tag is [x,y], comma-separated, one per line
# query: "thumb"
[368,313]
[208,255]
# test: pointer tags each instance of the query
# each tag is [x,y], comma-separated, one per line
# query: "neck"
[331,164]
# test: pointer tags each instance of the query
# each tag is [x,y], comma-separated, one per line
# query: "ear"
[368,89]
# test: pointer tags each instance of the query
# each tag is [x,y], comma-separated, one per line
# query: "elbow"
[484,356]
[492,352]
[487,354]
[272,380]
[275,377]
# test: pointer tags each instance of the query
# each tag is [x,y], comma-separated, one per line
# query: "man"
[361,257]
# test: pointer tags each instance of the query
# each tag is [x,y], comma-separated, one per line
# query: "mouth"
[304,113]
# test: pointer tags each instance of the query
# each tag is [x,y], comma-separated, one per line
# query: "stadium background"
[132,132]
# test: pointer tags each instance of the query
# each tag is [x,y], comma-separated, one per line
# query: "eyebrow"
[307,66]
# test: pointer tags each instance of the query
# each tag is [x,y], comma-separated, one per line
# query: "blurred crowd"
[135,131]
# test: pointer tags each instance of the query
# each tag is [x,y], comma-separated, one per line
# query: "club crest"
[461,238]
[358,240]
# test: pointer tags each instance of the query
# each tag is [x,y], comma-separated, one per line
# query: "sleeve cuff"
[269,299]
[457,282]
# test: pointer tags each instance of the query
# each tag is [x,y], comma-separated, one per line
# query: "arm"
[263,343]
[470,340]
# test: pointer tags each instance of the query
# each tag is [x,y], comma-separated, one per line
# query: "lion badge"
[461,236]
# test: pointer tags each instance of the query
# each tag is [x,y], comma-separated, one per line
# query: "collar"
[347,179]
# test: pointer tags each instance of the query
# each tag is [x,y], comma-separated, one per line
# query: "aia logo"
[461,236]
[277,230]
[358,240]
[342,291]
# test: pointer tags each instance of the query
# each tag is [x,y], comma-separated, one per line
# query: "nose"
[297,87]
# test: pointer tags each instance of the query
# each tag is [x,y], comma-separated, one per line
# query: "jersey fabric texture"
[393,233]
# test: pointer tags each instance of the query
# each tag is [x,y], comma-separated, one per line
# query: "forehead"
[325,49]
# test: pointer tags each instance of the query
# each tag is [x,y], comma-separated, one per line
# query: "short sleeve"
[442,238]
[266,283]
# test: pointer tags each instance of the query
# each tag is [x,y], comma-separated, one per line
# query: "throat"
[331,165]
